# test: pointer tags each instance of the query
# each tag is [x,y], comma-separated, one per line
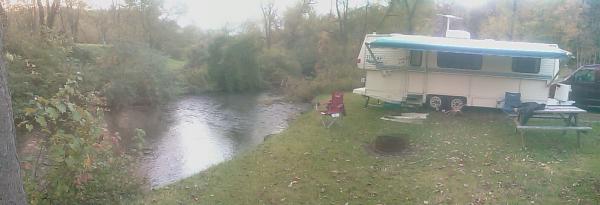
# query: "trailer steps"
[414,99]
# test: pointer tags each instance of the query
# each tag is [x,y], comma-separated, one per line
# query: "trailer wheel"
[457,103]
[435,102]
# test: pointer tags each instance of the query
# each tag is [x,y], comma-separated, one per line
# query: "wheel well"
[445,99]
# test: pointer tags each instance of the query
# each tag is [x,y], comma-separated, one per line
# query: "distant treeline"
[296,50]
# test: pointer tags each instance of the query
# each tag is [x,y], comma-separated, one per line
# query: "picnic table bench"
[567,113]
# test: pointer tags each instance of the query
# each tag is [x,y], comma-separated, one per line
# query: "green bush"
[35,67]
[342,77]
[195,79]
[78,161]
[278,65]
[133,74]
[233,65]
[195,72]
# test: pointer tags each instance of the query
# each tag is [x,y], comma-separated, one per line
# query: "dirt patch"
[387,145]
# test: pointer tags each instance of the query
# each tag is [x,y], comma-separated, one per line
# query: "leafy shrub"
[195,79]
[342,77]
[278,65]
[233,65]
[195,72]
[78,161]
[35,67]
[133,74]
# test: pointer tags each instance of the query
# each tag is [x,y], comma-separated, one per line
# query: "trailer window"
[416,57]
[459,61]
[525,65]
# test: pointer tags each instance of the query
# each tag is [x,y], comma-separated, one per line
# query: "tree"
[233,63]
[52,12]
[149,13]
[11,185]
[411,14]
[388,13]
[47,17]
[41,13]
[3,17]
[341,8]
[269,17]
[591,17]
[511,33]
[74,8]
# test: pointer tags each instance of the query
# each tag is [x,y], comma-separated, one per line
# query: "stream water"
[195,132]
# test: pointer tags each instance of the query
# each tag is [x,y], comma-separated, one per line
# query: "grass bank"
[472,158]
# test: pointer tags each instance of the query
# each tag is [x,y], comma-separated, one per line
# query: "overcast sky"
[214,14]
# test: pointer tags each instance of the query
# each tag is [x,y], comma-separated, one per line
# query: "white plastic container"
[562,92]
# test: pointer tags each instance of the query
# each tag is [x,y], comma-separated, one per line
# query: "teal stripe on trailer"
[470,46]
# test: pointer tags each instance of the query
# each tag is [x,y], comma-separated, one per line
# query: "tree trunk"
[366,23]
[268,12]
[511,35]
[341,15]
[75,23]
[52,11]
[3,19]
[63,25]
[411,15]
[388,11]
[41,13]
[34,18]
[11,185]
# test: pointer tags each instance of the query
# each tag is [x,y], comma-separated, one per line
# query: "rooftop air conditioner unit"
[458,34]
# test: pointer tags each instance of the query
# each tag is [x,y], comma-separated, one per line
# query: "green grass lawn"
[471,158]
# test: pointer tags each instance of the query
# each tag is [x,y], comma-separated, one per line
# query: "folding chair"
[335,109]
[511,101]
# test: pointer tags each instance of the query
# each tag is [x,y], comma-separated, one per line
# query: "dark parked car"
[585,86]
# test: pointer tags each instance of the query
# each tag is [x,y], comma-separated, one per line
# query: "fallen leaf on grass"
[294,181]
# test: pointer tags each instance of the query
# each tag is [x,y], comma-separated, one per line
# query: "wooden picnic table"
[567,113]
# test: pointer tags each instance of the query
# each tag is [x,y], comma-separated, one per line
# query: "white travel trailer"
[453,72]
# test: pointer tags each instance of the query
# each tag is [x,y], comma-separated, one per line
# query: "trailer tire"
[457,103]
[435,102]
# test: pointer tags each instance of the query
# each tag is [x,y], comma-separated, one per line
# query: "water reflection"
[196,132]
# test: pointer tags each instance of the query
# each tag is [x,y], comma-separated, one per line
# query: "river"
[194,133]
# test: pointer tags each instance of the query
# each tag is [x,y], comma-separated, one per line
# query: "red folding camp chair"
[335,109]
